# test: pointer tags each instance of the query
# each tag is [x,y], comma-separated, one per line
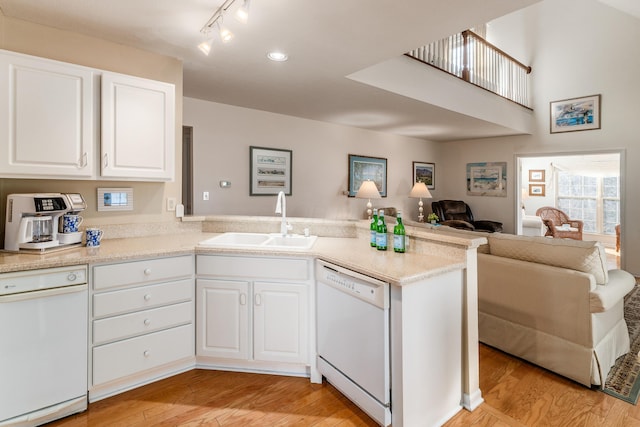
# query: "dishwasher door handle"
[25,296]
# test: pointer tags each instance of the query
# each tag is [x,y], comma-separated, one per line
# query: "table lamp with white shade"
[420,191]
[368,190]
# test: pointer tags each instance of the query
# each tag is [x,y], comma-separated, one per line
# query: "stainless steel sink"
[259,240]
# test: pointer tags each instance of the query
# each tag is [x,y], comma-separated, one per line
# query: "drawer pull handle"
[147,322]
[147,271]
[243,299]
[147,297]
[146,353]
[258,299]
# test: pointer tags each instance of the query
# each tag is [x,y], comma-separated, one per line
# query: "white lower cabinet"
[142,323]
[253,312]
[280,322]
[222,319]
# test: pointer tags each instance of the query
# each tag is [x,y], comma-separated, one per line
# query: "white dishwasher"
[353,337]
[43,339]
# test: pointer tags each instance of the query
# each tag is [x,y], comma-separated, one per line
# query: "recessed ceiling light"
[277,56]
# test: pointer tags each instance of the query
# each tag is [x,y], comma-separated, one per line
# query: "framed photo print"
[362,168]
[425,172]
[487,179]
[574,114]
[270,171]
[536,190]
[536,175]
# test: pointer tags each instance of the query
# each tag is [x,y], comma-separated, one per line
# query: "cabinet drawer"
[246,267]
[143,297]
[122,358]
[145,271]
[128,325]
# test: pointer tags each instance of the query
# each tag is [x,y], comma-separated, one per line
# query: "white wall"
[576,48]
[222,135]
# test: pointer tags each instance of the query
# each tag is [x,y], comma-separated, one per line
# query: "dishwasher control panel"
[366,288]
[48,278]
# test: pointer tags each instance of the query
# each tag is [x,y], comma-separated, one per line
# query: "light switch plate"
[171,204]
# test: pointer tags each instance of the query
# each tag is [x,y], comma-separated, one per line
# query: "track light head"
[225,34]
[205,46]
[242,14]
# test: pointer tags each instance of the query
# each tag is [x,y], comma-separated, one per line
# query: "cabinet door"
[280,322]
[46,118]
[138,128]
[222,313]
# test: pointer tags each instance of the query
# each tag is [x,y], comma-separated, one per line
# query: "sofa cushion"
[585,256]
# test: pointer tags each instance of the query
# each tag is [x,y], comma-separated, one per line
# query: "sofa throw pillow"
[586,256]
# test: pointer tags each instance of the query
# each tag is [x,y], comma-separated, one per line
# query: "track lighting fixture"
[242,14]
[216,19]
[205,46]
[225,34]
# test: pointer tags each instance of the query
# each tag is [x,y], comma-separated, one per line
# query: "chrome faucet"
[281,207]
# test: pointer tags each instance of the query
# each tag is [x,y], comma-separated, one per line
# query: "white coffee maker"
[32,220]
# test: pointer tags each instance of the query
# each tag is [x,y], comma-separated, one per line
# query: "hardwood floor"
[516,393]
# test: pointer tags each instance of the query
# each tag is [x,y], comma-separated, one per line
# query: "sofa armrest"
[606,296]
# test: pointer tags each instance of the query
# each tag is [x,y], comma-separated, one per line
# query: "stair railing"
[473,59]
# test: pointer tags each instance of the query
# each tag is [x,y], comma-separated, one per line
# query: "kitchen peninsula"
[431,285]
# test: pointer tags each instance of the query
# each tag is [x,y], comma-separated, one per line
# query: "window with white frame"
[593,199]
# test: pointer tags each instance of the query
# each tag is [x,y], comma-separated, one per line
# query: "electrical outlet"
[205,195]
[171,204]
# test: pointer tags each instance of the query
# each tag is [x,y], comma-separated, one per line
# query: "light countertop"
[353,253]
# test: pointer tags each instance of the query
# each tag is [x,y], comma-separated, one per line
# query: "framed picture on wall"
[425,172]
[536,175]
[362,168]
[270,171]
[536,190]
[487,179]
[574,114]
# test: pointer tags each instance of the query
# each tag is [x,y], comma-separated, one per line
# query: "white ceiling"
[326,41]
[631,7]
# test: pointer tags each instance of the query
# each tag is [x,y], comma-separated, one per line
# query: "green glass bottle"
[399,235]
[381,234]
[374,228]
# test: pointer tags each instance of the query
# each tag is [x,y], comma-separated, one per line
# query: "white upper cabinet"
[46,118]
[138,128]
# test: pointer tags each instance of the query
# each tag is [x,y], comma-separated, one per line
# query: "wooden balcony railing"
[475,60]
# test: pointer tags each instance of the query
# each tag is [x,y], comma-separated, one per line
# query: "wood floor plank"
[516,394]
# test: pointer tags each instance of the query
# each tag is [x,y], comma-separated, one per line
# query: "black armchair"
[457,214]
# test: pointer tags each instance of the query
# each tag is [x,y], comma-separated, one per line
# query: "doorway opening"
[585,186]
[187,169]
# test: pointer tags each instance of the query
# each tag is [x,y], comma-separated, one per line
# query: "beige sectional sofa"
[554,303]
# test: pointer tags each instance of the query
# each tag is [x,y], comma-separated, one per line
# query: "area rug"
[623,380]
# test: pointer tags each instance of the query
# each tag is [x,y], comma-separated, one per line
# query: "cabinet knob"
[147,271]
[258,299]
[147,322]
[146,353]
[147,297]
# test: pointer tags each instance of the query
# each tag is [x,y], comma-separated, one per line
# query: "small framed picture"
[270,171]
[362,168]
[536,175]
[536,190]
[425,172]
[574,114]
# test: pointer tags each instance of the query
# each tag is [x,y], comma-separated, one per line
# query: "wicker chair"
[559,225]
